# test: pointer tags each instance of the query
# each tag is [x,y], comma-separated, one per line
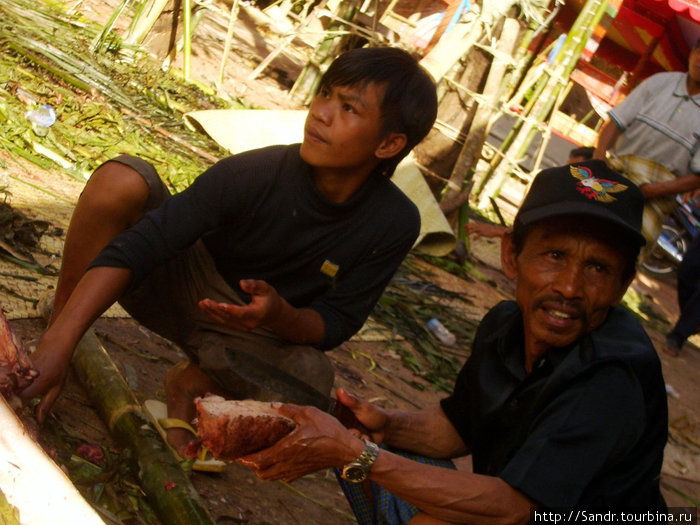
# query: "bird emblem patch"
[593,187]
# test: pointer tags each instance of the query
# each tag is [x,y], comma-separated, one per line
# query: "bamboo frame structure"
[541,104]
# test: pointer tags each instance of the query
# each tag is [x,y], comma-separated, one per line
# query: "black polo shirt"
[587,428]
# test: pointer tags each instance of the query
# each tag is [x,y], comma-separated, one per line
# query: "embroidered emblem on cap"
[595,188]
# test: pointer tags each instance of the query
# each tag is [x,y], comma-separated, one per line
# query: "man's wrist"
[647,190]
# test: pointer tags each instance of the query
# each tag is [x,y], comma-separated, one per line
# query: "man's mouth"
[561,312]
[314,136]
[558,314]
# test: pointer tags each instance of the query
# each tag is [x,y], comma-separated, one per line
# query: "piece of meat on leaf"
[16,370]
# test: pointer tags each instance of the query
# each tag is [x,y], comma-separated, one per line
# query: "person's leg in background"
[688,300]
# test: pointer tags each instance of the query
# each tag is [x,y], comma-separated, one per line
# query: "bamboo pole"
[545,96]
[480,123]
[523,56]
[167,487]
[227,45]
[187,38]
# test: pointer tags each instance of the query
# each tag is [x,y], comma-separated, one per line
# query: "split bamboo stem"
[33,489]
[227,45]
[167,487]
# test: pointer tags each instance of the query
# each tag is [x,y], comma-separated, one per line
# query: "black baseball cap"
[588,188]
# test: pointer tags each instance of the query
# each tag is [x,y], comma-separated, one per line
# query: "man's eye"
[599,268]
[349,108]
[555,254]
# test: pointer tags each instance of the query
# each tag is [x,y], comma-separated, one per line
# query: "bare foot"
[183,383]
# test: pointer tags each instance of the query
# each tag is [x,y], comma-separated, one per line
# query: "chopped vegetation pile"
[106,478]
[107,103]
[408,303]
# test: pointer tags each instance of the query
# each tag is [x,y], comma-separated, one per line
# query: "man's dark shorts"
[167,303]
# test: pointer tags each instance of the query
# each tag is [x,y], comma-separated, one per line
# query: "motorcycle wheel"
[657,262]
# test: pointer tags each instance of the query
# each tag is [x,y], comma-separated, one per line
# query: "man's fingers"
[252,286]
[347,399]
[44,406]
[287,409]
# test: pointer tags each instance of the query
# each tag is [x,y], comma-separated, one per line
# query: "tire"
[657,262]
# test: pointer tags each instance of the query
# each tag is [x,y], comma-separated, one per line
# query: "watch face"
[354,474]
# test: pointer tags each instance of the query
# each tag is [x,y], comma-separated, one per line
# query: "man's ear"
[391,145]
[509,262]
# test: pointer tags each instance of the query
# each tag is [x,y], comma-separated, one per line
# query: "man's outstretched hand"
[264,307]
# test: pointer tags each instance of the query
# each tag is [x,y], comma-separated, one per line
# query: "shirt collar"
[682,90]
[512,347]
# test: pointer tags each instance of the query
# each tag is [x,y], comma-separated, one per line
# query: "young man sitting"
[281,252]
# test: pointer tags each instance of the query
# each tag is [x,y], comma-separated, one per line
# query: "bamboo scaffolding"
[542,102]
[480,124]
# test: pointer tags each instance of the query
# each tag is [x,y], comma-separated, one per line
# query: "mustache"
[554,301]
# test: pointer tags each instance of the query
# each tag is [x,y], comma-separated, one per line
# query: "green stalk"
[167,487]
[144,23]
[109,25]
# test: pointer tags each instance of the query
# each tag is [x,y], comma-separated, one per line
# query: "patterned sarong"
[384,508]
[656,210]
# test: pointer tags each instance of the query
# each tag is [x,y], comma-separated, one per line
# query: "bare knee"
[117,192]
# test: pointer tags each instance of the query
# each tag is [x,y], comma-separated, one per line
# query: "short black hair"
[586,152]
[410,100]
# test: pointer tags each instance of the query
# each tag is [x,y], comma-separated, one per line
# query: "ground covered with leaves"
[118,101]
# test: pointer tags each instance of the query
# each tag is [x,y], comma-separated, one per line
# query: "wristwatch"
[358,470]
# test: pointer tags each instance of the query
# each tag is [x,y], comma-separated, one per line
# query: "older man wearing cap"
[561,404]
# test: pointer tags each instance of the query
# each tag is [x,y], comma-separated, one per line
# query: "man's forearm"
[682,184]
[298,325]
[97,290]
[407,431]
[455,496]
[608,134]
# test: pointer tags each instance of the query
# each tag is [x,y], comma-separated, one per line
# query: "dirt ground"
[370,369]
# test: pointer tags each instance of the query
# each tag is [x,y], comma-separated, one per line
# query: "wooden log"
[167,487]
